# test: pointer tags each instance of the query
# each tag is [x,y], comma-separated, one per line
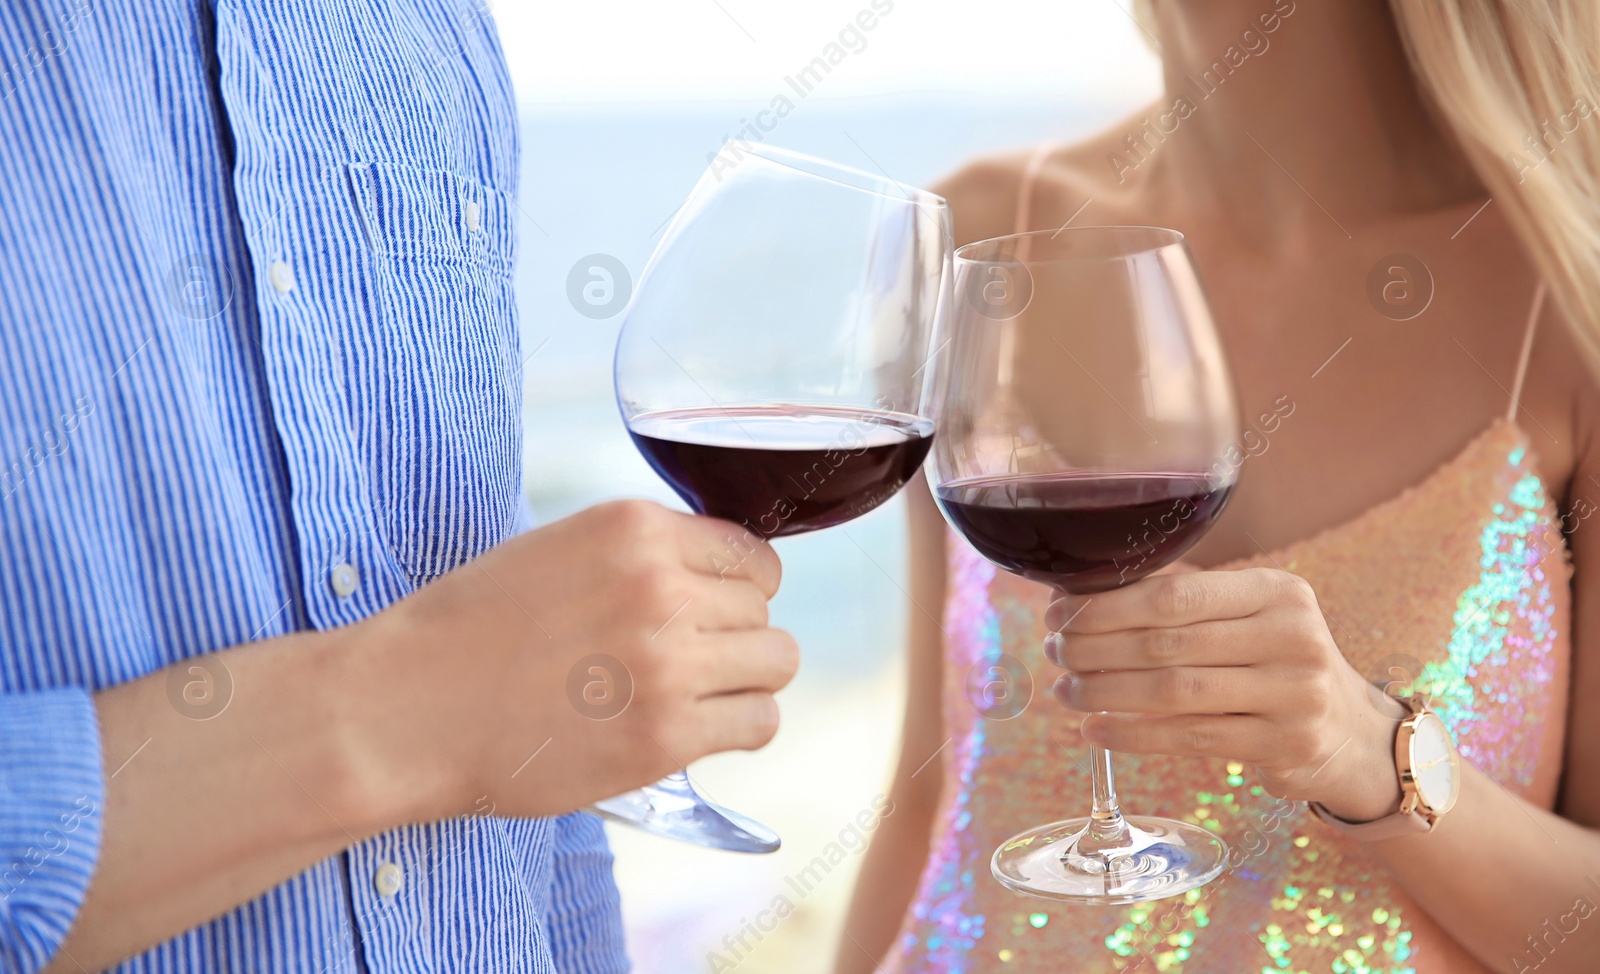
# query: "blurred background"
[623,103]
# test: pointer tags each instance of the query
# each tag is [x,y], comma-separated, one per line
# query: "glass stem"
[1107,832]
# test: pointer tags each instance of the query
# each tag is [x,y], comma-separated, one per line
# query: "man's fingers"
[740,662]
[1171,600]
[737,721]
[723,605]
[724,550]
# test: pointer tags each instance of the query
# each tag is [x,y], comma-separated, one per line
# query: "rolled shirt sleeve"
[52,790]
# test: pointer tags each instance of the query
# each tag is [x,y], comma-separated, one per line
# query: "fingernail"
[1086,728]
[1064,686]
[1054,613]
[1052,648]
[1062,611]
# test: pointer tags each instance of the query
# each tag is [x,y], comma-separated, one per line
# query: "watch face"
[1434,764]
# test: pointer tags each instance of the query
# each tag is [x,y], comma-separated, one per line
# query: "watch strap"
[1391,826]
[1411,819]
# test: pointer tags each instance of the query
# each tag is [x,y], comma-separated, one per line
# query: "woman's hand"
[1229,664]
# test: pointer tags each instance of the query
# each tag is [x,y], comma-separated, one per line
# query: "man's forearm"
[202,815]
[418,711]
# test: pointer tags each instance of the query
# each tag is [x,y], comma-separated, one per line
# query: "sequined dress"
[1461,581]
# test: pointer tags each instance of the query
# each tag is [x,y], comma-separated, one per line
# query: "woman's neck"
[1299,112]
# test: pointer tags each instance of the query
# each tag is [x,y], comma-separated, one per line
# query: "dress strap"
[1527,350]
[1030,177]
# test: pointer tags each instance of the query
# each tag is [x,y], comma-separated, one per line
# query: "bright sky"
[674,49]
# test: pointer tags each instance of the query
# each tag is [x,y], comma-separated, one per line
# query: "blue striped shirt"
[258,348]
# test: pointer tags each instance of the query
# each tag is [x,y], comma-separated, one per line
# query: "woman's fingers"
[1238,737]
[1169,690]
[1164,601]
[1228,642]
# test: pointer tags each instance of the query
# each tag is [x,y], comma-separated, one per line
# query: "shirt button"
[281,275]
[388,879]
[344,580]
[474,216]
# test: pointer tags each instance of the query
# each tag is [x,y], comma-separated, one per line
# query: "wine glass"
[1085,421]
[770,368]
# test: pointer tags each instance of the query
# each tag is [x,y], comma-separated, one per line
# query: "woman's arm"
[1498,870]
[1580,782]
[894,861]
[1240,665]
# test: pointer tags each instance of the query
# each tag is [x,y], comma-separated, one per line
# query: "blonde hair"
[1514,82]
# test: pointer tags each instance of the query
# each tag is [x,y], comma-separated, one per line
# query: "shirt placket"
[346,570]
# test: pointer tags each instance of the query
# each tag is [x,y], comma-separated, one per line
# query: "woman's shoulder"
[983,193]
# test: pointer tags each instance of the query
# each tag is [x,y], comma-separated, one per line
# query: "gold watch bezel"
[1405,761]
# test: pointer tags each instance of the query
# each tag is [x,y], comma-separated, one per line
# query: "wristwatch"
[1429,767]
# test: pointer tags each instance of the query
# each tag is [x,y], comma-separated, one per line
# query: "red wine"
[780,469]
[1083,532]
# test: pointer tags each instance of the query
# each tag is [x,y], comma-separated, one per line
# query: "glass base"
[671,808]
[1161,858]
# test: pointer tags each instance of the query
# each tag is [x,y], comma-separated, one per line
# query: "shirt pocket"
[437,398]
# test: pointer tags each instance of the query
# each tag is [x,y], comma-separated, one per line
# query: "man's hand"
[485,682]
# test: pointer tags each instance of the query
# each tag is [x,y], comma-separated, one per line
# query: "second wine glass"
[1086,417]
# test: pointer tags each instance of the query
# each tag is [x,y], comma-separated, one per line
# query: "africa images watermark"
[855,440]
[1154,936]
[999,687]
[1252,443]
[53,842]
[51,43]
[1544,943]
[850,841]
[599,686]
[1552,133]
[1253,43]
[54,441]
[851,39]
